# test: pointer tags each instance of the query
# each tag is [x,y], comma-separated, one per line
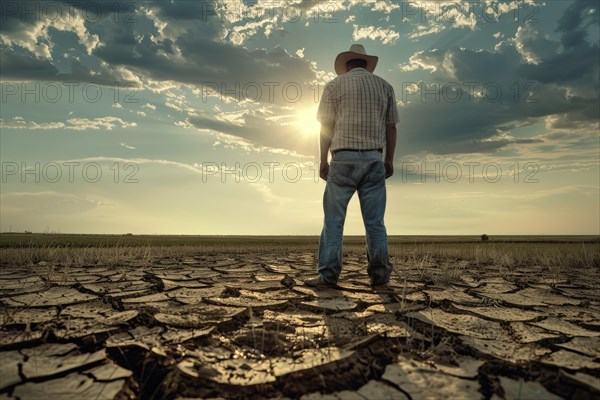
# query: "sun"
[306,122]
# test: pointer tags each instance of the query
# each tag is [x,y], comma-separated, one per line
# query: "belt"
[358,150]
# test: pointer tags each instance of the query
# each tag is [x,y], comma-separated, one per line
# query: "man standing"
[358,116]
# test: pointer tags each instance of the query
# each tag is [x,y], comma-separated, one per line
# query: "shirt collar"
[358,69]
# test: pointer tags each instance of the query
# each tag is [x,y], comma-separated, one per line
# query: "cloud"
[185,45]
[429,17]
[127,146]
[165,44]
[574,61]
[18,66]
[424,30]
[28,25]
[386,36]
[533,46]
[571,122]
[106,123]
[578,16]
[77,124]
[528,80]
[385,6]
[182,44]
[199,60]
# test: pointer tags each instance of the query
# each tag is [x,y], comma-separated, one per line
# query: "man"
[358,116]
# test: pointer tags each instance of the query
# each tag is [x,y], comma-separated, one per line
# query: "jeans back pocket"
[376,172]
[340,172]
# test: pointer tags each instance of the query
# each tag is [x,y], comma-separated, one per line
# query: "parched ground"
[243,326]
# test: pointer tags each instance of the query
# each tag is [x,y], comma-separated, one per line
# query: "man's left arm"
[390,148]
[391,134]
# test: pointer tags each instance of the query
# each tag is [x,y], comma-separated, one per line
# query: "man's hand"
[389,168]
[324,170]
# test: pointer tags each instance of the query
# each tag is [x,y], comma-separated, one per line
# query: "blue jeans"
[349,172]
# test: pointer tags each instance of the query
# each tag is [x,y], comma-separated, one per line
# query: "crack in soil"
[245,327]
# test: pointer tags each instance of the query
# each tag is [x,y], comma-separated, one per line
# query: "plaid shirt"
[360,104]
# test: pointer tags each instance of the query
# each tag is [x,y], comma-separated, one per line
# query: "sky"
[199,117]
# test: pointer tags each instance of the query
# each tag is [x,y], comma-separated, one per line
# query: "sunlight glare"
[306,121]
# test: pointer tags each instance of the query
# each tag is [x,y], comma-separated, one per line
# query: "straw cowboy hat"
[356,51]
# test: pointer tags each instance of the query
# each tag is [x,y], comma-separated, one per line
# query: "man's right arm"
[390,148]
[326,114]
[326,137]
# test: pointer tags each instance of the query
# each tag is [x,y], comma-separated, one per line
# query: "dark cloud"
[585,117]
[193,52]
[96,10]
[12,21]
[206,62]
[572,21]
[201,10]
[579,63]
[534,44]
[463,127]
[24,67]
[466,65]
[202,59]
[551,81]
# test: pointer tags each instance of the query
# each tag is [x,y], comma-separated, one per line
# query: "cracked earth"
[244,326]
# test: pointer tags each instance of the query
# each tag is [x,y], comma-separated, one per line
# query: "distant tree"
[484,238]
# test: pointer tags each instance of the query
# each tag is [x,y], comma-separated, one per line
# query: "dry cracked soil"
[244,326]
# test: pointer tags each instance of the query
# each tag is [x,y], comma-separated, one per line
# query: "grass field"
[14,240]
[550,252]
